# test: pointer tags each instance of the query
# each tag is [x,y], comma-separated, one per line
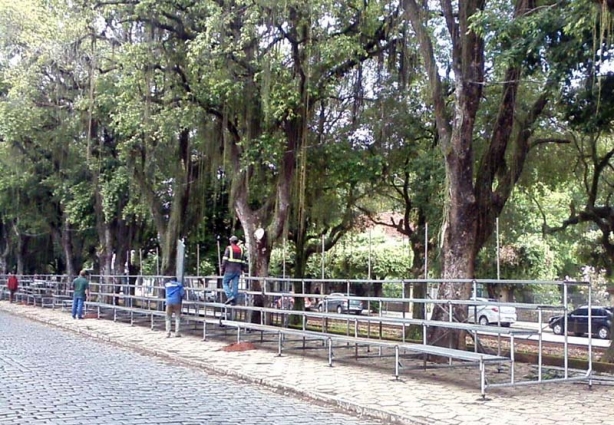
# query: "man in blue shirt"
[174,297]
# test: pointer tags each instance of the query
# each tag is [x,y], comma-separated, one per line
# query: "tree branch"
[537,142]
[418,16]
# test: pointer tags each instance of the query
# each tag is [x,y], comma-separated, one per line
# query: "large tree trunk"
[5,247]
[67,246]
[459,238]
[173,228]
[103,225]
[105,237]
[273,213]
[460,222]
[124,236]
[22,248]
[105,257]
[63,237]
[471,208]
[259,251]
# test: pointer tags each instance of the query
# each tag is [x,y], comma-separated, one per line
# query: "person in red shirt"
[12,284]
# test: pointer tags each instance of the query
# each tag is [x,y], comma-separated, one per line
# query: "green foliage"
[389,258]
[526,253]
[207,267]
[150,264]
[280,255]
[392,290]
[349,259]
[93,100]
[590,109]
[528,258]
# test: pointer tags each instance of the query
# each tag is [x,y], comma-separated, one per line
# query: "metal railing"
[144,295]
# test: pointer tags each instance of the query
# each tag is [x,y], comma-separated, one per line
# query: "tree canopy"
[128,125]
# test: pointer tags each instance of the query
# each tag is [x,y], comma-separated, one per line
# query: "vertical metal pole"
[396,361]
[369,262]
[482,379]
[475,341]
[450,320]
[219,256]
[539,352]
[322,257]
[426,266]
[283,258]
[475,316]
[426,252]
[379,349]
[590,334]
[197,260]
[566,347]
[348,312]
[498,253]
[403,296]
[196,315]
[512,357]
[115,285]
[279,349]
[424,341]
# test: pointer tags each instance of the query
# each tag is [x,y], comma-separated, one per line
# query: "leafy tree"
[159,131]
[38,111]
[484,154]
[412,175]
[591,116]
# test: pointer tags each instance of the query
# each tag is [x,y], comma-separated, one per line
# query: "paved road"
[48,376]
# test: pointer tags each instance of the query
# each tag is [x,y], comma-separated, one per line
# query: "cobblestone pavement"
[53,377]
[367,386]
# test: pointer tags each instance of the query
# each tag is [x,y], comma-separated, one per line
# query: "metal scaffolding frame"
[144,298]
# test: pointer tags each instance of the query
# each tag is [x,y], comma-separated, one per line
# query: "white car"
[202,295]
[487,313]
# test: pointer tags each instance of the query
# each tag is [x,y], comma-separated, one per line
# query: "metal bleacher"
[143,304]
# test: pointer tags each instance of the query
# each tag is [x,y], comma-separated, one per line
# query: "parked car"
[495,313]
[201,295]
[577,322]
[341,303]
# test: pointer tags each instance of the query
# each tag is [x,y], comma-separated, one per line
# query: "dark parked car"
[340,303]
[577,322]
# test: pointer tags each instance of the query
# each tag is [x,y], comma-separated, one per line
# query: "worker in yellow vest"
[233,264]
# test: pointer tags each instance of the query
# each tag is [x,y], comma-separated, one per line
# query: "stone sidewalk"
[435,396]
